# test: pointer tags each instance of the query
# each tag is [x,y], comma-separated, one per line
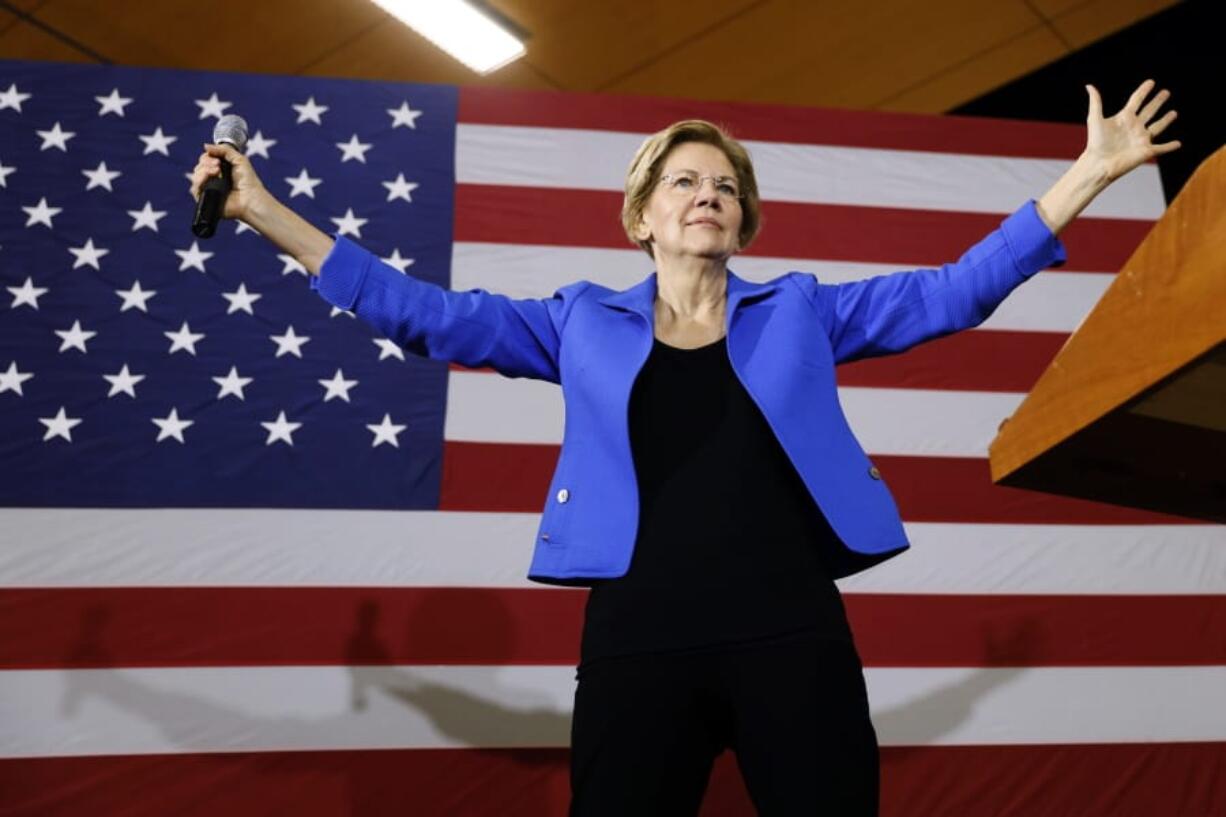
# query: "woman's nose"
[703,196]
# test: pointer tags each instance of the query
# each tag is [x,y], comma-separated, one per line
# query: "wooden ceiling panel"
[586,46]
[26,5]
[1054,8]
[913,55]
[267,36]
[967,80]
[21,41]
[391,50]
[846,54]
[884,55]
[1092,21]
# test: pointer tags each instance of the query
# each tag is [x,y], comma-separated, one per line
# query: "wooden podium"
[1132,410]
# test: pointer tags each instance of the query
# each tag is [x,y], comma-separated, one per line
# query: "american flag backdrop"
[256,560]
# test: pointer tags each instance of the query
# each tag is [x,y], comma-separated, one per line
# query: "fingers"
[226,152]
[1096,103]
[1167,147]
[206,167]
[1158,127]
[1138,96]
[1148,112]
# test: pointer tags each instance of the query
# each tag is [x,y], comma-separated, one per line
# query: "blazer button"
[563,495]
[874,473]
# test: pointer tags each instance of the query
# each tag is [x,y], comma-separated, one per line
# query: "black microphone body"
[212,203]
[230,130]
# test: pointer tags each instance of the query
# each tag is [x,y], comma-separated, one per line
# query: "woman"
[709,489]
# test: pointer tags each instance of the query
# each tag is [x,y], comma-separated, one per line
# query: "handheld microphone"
[230,130]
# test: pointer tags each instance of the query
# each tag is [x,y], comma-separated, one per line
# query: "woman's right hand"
[246,188]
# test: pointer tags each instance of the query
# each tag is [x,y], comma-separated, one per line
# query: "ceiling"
[923,56]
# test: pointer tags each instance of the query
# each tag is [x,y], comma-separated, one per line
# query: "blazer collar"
[641,297]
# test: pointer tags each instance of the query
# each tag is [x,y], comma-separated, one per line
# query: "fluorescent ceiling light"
[460,29]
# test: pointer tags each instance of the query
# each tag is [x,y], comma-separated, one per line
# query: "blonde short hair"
[645,169]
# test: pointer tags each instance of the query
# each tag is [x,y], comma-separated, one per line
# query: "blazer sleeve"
[518,338]
[891,313]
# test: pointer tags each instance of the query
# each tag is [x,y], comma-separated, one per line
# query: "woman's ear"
[641,231]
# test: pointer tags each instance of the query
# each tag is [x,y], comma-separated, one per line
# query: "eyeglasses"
[688,183]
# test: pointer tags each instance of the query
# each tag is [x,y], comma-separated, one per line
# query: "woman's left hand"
[1126,140]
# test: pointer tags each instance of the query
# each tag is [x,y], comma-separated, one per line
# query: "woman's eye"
[727,189]
[683,182]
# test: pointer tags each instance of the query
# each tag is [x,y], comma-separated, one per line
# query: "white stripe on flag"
[212,709]
[280,548]
[1048,302]
[913,422]
[816,174]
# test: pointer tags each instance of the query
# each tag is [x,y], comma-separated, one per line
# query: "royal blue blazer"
[784,338]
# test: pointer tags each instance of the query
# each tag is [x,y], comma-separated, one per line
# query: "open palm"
[1126,140]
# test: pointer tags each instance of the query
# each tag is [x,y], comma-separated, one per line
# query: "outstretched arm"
[517,337]
[1113,148]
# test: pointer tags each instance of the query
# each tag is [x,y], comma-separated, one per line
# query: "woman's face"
[693,219]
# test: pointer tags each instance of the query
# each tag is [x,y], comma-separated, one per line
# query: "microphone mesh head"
[231,129]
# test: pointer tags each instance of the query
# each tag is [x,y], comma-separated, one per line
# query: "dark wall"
[1182,49]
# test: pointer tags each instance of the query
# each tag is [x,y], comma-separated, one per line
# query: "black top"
[730,544]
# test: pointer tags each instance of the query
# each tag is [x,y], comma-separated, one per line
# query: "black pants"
[647,729]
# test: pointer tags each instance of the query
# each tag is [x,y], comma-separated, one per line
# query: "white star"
[135,298]
[353,149]
[123,383]
[388,348]
[55,138]
[338,386]
[193,257]
[338,311]
[41,213]
[146,217]
[88,255]
[101,177]
[12,98]
[386,432]
[303,184]
[289,343]
[241,227]
[310,111]
[61,425]
[241,299]
[397,260]
[113,103]
[27,293]
[259,144]
[400,188]
[212,106]
[171,425]
[184,339]
[74,338]
[232,384]
[281,429]
[291,264]
[4,173]
[349,224]
[158,142]
[12,379]
[404,115]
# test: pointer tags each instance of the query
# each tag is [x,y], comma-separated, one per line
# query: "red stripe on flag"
[966,361]
[775,123]
[591,218]
[173,627]
[1089,780]
[515,477]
